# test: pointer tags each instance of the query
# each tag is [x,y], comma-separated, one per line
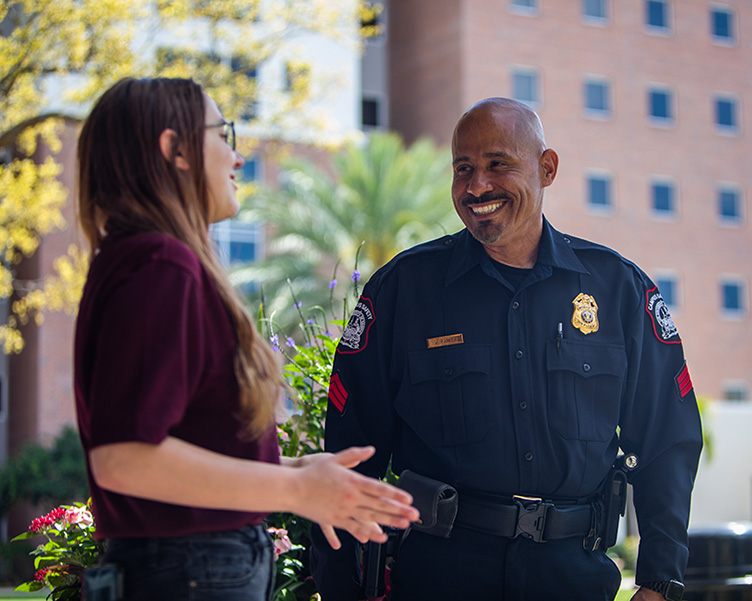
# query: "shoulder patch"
[355,336]
[338,393]
[663,325]
[683,381]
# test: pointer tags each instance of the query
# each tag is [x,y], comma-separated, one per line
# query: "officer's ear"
[549,165]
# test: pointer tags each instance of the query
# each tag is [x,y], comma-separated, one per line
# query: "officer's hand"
[336,497]
[645,594]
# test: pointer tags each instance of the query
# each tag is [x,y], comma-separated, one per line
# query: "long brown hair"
[125,184]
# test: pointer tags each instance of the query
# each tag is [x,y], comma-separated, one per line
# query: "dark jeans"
[471,565]
[235,565]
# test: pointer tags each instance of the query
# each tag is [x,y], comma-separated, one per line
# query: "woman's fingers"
[353,456]
[331,536]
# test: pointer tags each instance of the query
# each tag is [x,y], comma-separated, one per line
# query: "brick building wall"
[460,51]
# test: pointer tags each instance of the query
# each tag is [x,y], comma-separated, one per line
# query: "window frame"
[673,187]
[727,220]
[597,20]
[231,231]
[591,176]
[659,30]
[723,128]
[668,92]
[729,40]
[740,283]
[523,70]
[595,113]
[526,11]
[735,385]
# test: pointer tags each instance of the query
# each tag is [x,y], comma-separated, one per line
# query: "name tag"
[445,340]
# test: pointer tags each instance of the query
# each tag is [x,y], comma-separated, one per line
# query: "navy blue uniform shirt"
[453,372]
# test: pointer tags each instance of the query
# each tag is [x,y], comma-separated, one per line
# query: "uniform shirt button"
[518,354]
[528,456]
[515,305]
[523,405]
[448,371]
[586,367]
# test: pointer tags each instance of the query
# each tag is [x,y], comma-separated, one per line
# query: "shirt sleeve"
[661,425]
[147,355]
[359,413]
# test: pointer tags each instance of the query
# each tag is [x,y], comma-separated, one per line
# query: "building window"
[735,391]
[663,197]
[729,205]
[597,98]
[726,117]
[238,243]
[526,86]
[661,106]
[599,192]
[733,301]
[722,24]
[657,16]
[251,170]
[370,112]
[524,7]
[669,288]
[595,11]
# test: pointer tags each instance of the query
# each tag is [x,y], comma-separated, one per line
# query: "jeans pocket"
[231,569]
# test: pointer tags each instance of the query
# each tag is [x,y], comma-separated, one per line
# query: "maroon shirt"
[154,358]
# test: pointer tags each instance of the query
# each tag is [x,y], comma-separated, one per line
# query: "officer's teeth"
[486,209]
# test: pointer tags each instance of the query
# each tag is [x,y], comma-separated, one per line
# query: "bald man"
[509,365]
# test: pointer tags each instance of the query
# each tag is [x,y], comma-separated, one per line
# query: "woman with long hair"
[175,389]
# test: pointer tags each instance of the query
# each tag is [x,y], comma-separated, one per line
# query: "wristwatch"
[673,590]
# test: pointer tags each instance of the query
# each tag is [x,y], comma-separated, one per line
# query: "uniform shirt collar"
[555,250]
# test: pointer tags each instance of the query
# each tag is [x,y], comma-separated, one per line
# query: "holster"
[436,501]
[614,499]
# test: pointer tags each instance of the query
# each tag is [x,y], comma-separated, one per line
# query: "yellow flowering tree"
[56,55]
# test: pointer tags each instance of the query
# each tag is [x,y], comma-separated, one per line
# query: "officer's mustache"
[470,199]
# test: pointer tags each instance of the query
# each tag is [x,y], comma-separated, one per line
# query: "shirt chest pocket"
[447,401]
[585,382]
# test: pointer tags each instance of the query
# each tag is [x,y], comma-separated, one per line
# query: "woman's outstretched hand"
[337,497]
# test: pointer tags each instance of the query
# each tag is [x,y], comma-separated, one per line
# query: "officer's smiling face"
[500,169]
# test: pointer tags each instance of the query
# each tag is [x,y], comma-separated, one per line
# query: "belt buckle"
[531,517]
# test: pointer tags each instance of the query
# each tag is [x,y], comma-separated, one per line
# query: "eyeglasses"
[228,131]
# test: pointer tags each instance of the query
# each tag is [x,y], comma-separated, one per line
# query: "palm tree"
[383,198]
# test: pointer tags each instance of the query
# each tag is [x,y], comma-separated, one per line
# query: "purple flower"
[298,305]
[310,321]
[274,339]
[332,284]
[290,342]
[356,276]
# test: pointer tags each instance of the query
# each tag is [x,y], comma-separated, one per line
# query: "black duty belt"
[530,517]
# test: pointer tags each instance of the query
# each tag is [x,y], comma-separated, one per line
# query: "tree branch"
[7,138]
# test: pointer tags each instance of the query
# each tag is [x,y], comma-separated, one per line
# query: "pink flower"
[282,542]
[78,515]
[46,521]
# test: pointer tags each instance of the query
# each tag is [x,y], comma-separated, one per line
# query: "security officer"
[513,362]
